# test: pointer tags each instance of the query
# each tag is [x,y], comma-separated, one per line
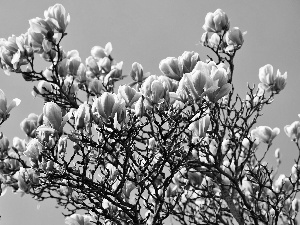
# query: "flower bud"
[204,39]
[277,153]
[234,37]
[62,144]
[82,117]
[214,40]
[74,63]
[137,72]
[139,107]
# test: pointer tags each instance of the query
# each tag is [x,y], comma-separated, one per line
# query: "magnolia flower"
[77,219]
[204,39]
[195,82]
[139,107]
[19,144]
[4,143]
[81,73]
[115,73]
[74,63]
[95,86]
[216,22]
[283,183]
[293,130]
[154,90]
[104,64]
[33,149]
[43,89]
[92,66]
[98,52]
[270,81]
[171,67]
[107,106]
[57,15]
[188,61]
[53,116]
[168,83]
[265,134]
[214,40]
[40,26]
[200,127]
[137,73]
[82,117]
[29,125]
[14,52]
[181,95]
[129,95]
[4,110]
[70,85]
[216,84]
[62,144]
[36,41]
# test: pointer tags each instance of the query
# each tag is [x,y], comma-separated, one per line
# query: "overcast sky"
[147,32]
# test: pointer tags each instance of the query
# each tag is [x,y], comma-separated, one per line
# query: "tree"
[181,145]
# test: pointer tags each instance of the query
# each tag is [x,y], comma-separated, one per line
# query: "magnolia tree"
[178,147]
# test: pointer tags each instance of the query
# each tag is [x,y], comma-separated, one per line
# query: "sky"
[147,32]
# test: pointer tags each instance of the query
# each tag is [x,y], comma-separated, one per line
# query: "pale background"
[146,32]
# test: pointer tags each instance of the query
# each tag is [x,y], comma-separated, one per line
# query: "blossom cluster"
[198,141]
[218,35]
